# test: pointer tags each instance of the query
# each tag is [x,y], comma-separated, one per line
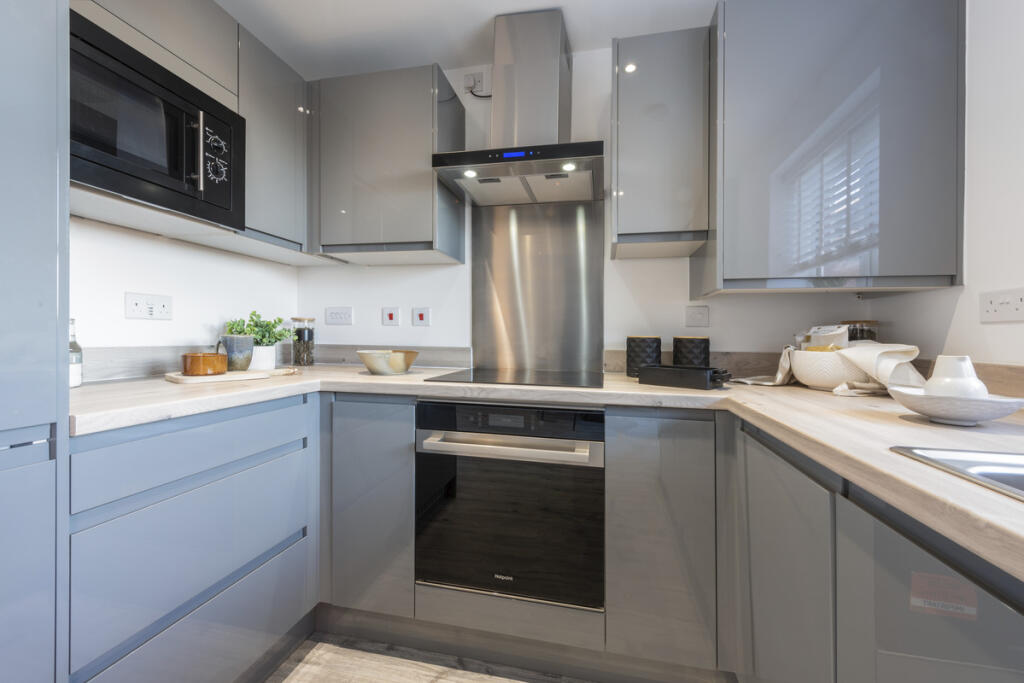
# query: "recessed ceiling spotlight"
[630,68]
[568,166]
[469,173]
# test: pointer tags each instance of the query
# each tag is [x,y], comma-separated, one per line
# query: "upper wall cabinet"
[272,98]
[194,39]
[659,144]
[380,200]
[838,149]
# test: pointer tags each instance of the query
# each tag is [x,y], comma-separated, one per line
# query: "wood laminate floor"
[335,659]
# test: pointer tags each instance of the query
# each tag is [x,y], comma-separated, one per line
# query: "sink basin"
[1003,472]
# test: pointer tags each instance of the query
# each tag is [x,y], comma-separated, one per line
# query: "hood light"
[630,68]
[469,173]
[568,166]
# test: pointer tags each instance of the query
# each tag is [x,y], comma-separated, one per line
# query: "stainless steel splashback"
[538,286]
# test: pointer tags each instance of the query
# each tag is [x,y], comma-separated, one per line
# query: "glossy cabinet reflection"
[272,98]
[775,550]
[660,535]
[841,154]
[373,491]
[903,616]
[660,135]
[378,190]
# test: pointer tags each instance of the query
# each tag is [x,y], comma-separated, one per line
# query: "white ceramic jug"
[955,376]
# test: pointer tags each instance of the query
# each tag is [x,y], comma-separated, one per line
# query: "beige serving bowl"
[387,361]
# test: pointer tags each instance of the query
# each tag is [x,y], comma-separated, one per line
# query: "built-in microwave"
[142,132]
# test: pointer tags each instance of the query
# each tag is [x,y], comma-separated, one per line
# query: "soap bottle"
[75,359]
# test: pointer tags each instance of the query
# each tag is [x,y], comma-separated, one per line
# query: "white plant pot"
[263,358]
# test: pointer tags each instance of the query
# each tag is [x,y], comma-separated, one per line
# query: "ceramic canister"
[641,351]
[692,351]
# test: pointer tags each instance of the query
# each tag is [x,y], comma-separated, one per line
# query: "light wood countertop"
[849,435]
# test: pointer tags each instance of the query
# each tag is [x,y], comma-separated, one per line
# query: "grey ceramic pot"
[239,350]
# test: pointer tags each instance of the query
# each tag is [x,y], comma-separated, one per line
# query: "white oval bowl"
[955,410]
[824,370]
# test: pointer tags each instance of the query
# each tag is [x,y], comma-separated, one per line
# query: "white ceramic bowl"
[955,410]
[824,370]
[387,361]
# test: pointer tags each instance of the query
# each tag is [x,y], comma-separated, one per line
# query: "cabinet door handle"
[503,447]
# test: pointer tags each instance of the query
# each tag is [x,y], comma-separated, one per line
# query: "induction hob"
[544,378]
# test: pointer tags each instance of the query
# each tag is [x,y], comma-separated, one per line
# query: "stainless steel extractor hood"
[531,160]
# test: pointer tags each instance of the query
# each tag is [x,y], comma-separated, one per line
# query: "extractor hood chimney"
[531,101]
[531,160]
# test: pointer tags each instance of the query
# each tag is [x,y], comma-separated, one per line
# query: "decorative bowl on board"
[824,370]
[955,410]
[387,361]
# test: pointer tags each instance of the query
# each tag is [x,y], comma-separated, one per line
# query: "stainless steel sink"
[1003,472]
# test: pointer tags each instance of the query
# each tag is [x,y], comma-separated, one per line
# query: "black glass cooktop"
[544,378]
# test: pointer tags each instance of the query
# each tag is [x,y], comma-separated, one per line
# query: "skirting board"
[549,658]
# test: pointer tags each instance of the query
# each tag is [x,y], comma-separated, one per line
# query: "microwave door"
[122,121]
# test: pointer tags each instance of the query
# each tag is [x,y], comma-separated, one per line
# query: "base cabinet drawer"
[224,637]
[128,574]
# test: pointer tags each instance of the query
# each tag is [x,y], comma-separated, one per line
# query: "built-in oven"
[140,131]
[510,501]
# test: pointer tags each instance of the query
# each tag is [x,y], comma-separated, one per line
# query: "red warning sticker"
[946,596]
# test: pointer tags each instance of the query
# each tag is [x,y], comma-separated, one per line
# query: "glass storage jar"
[862,330]
[302,344]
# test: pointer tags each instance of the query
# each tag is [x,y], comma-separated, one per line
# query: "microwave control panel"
[217,162]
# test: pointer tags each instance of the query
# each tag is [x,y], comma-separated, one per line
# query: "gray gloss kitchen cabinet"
[33,339]
[198,32]
[659,157]
[839,145]
[27,579]
[373,464]
[660,535]
[272,98]
[193,550]
[903,615]
[775,551]
[380,200]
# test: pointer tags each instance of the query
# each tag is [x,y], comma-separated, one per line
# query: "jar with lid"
[302,344]
[74,358]
[862,330]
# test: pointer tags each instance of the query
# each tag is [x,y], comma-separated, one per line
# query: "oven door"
[140,131]
[519,516]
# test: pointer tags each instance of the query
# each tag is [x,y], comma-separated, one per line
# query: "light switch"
[698,316]
[389,316]
[338,315]
[421,317]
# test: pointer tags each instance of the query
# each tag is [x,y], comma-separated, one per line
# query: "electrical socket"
[389,315]
[1003,306]
[338,315]
[698,316]
[147,306]
[421,317]
[473,83]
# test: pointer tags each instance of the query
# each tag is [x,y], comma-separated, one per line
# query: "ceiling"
[323,38]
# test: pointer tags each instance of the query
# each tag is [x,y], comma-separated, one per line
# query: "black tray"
[684,376]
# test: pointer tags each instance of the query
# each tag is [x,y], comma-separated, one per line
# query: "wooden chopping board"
[235,376]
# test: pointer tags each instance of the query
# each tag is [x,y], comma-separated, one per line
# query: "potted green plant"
[238,345]
[265,334]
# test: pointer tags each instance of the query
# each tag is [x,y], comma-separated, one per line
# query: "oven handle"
[501,447]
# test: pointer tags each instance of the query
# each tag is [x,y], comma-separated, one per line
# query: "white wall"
[208,287]
[947,321]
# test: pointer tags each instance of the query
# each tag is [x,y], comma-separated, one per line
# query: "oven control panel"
[554,423]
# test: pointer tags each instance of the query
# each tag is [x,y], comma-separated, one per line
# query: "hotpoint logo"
[503,577]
